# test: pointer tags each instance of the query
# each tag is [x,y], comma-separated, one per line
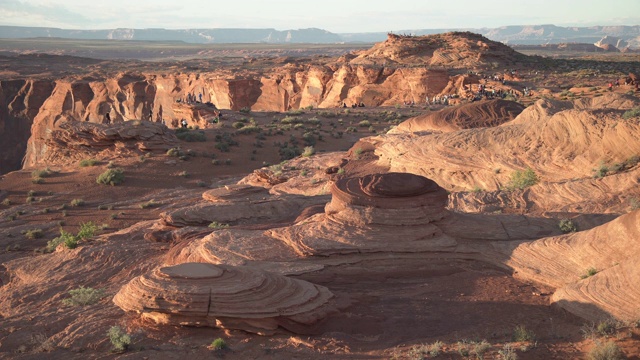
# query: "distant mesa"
[454,49]
[223,296]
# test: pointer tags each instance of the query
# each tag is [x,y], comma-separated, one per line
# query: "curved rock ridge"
[241,205]
[200,294]
[387,199]
[560,141]
[561,261]
[468,116]
[69,141]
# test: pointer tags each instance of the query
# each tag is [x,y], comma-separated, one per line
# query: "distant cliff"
[517,34]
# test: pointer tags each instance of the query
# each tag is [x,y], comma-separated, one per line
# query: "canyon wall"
[31,109]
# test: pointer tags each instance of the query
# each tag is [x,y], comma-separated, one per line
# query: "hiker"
[107,117]
[184,123]
[200,96]
[151,115]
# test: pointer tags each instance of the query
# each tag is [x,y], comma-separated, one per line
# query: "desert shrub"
[607,327]
[33,234]
[351,129]
[119,339]
[183,174]
[287,151]
[245,110]
[522,179]
[521,333]
[76,202]
[88,162]
[601,171]
[37,180]
[605,351]
[435,348]
[217,225]
[83,296]
[312,121]
[46,172]
[190,136]
[237,125]
[64,238]
[480,348]
[589,273]
[340,171]
[364,123]
[298,126]
[111,177]
[634,203]
[249,129]
[464,348]
[508,352]
[291,120]
[174,152]
[6,202]
[295,112]
[309,139]
[149,204]
[218,344]
[308,151]
[567,226]
[633,113]
[227,161]
[87,230]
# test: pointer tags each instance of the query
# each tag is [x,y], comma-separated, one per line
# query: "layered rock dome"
[200,294]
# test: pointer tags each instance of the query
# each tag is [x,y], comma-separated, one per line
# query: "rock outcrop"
[70,141]
[243,298]
[468,116]
[564,262]
[561,141]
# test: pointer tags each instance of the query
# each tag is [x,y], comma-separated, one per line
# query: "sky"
[338,16]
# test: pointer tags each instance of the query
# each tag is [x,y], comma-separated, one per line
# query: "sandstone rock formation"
[456,49]
[243,298]
[468,116]
[611,249]
[560,141]
[69,141]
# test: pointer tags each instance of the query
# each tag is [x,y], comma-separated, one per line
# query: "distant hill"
[512,35]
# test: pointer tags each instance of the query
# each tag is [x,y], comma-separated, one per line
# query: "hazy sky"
[334,15]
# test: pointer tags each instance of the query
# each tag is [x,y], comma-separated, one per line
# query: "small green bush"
[6,202]
[308,151]
[88,162]
[217,225]
[64,238]
[589,273]
[174,152]
[111,177]
[119,339]
[508,352]
[87,230]
[522,179]
[567,226]
[521,333]
[83,296]
[46,172]
[33,234]
[190,136]
[76,202]
[149,204]
[364,123]
[245,110]
[249,129]
[218,344]
[605,351]
[633,113]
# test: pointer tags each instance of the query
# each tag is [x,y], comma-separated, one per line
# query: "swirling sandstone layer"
[200,294]
[612,249]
